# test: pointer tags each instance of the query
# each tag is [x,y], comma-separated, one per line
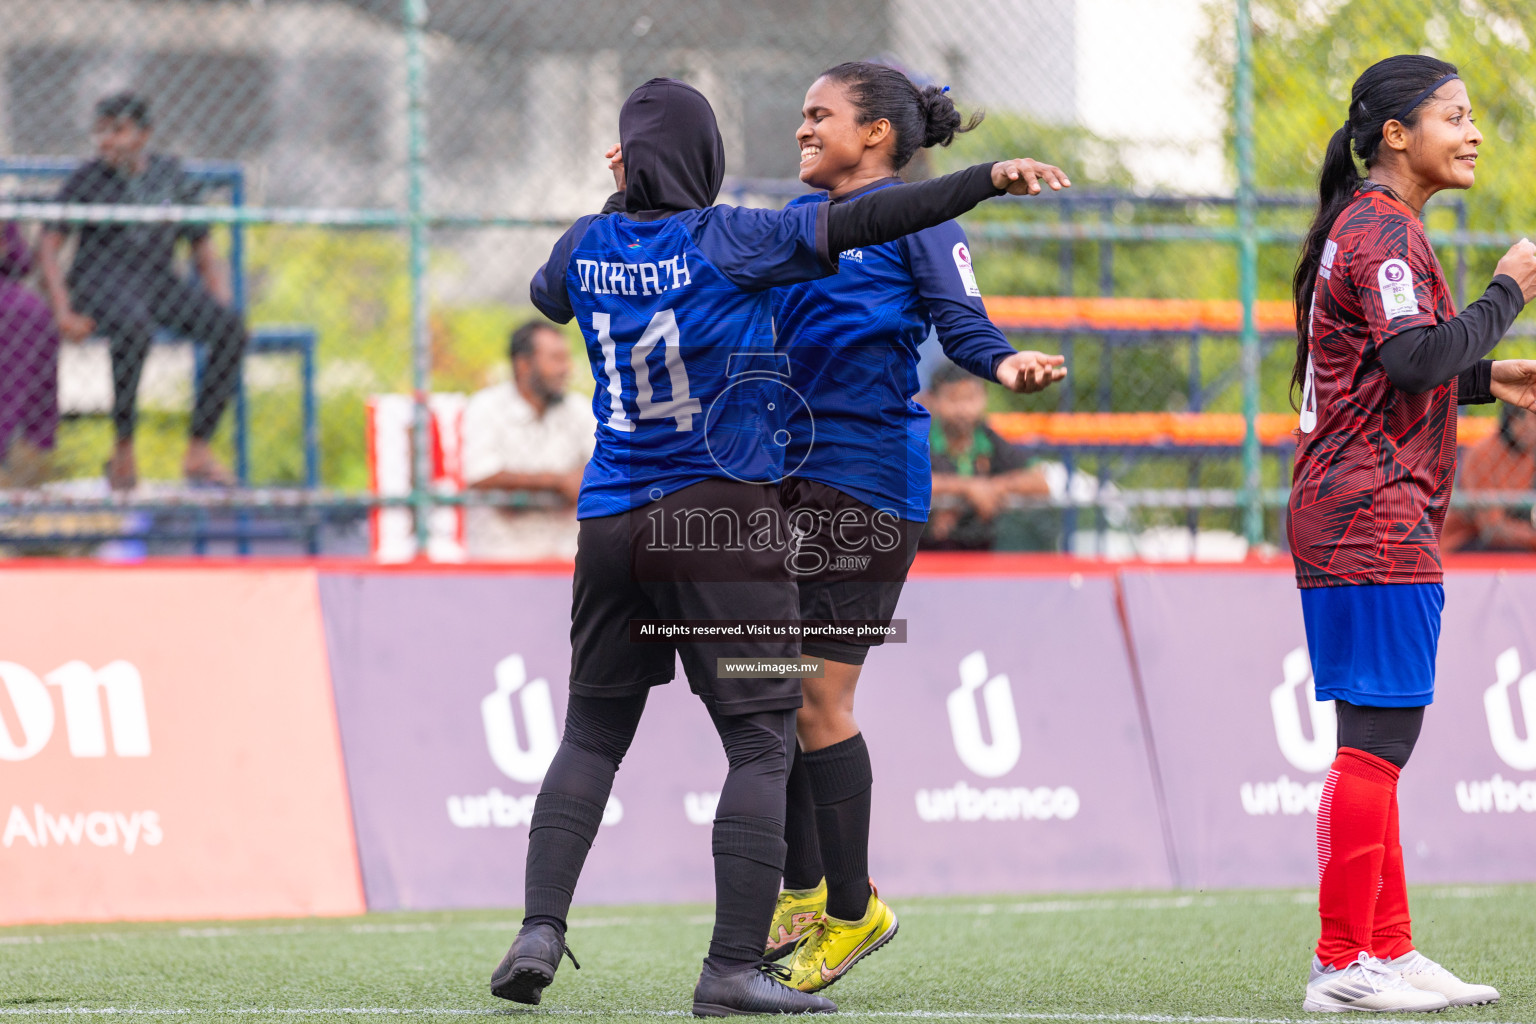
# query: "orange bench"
[1168,429]
[1208,316]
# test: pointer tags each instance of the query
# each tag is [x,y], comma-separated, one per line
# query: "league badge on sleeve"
[967,273]
[1397,295]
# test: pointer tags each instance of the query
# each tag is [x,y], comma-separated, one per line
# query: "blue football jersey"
[678,326]
[852,342]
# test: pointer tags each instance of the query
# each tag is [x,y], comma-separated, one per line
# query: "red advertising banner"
[168,748]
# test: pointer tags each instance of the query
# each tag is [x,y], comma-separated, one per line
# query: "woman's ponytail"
[1336,185]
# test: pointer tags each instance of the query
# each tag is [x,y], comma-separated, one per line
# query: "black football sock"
[554,922]
[749,858]
[559,837]
[570,805]
[842,779]
[802,862]
[748,838]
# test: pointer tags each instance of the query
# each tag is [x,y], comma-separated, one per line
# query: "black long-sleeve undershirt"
[1474,385]
[1421,359]
[890,213]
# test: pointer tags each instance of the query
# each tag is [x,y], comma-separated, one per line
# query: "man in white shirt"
[528,436]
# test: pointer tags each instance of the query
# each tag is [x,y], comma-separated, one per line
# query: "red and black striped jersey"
[1374,465]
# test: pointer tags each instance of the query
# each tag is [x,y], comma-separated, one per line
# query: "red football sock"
[1351,844]
[1392,935]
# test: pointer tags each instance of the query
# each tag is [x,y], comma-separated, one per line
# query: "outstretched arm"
[890,213]
[945,277]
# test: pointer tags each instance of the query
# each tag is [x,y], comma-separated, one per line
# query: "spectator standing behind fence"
[975,470]
[29,370]
[524,436]
[123,283]
[1503,462]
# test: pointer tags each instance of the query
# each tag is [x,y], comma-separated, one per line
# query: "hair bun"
[941,118]
[919,116]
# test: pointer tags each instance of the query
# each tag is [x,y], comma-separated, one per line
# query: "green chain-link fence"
[366,186]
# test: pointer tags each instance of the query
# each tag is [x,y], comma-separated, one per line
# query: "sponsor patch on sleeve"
[1330,251]
[963,265]
[1397,295]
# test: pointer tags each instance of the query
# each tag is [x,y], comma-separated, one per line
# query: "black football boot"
[530,964]
[759,988]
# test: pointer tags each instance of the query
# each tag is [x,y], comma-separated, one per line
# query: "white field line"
[389,1011]
[236,931]
[1062,906]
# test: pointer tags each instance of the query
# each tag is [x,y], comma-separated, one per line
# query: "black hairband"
[1421,97]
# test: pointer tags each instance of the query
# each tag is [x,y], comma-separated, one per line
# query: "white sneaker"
[1423,973]
[1368,984]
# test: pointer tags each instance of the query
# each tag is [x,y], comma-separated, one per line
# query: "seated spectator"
[29,370]
[1503,462]
[123,284]
[528,435]
[975,470]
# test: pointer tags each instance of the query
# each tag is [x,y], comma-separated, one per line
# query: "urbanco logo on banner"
[1498,793]
[519,761]
[521,735]
[1286,795]
[81,689]
[990,753]
[699,808]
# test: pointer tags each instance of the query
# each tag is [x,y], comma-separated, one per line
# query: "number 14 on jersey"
[661,333]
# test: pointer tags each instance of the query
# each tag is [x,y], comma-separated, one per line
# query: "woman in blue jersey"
[858,491]
[672,298]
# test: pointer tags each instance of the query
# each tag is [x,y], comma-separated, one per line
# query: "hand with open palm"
[1514,381]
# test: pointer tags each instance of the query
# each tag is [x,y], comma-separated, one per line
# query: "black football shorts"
[703,554]
[850,565]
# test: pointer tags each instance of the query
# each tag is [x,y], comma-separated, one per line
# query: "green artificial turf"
[1230,955]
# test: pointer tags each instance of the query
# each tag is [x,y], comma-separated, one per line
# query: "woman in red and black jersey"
[1382,360]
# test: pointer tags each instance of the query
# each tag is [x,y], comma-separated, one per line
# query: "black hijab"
[674,158]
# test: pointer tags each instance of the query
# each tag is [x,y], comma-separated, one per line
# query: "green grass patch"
[1239,956]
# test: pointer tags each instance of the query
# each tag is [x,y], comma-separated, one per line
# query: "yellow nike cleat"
[833,946]
[793,916]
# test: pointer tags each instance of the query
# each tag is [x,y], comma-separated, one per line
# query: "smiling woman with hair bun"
[853,344]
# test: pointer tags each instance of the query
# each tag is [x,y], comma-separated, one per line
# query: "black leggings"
[598,731]
[1388,733]
[748,836]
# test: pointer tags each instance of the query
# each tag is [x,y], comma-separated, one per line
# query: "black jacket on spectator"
[111,254]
